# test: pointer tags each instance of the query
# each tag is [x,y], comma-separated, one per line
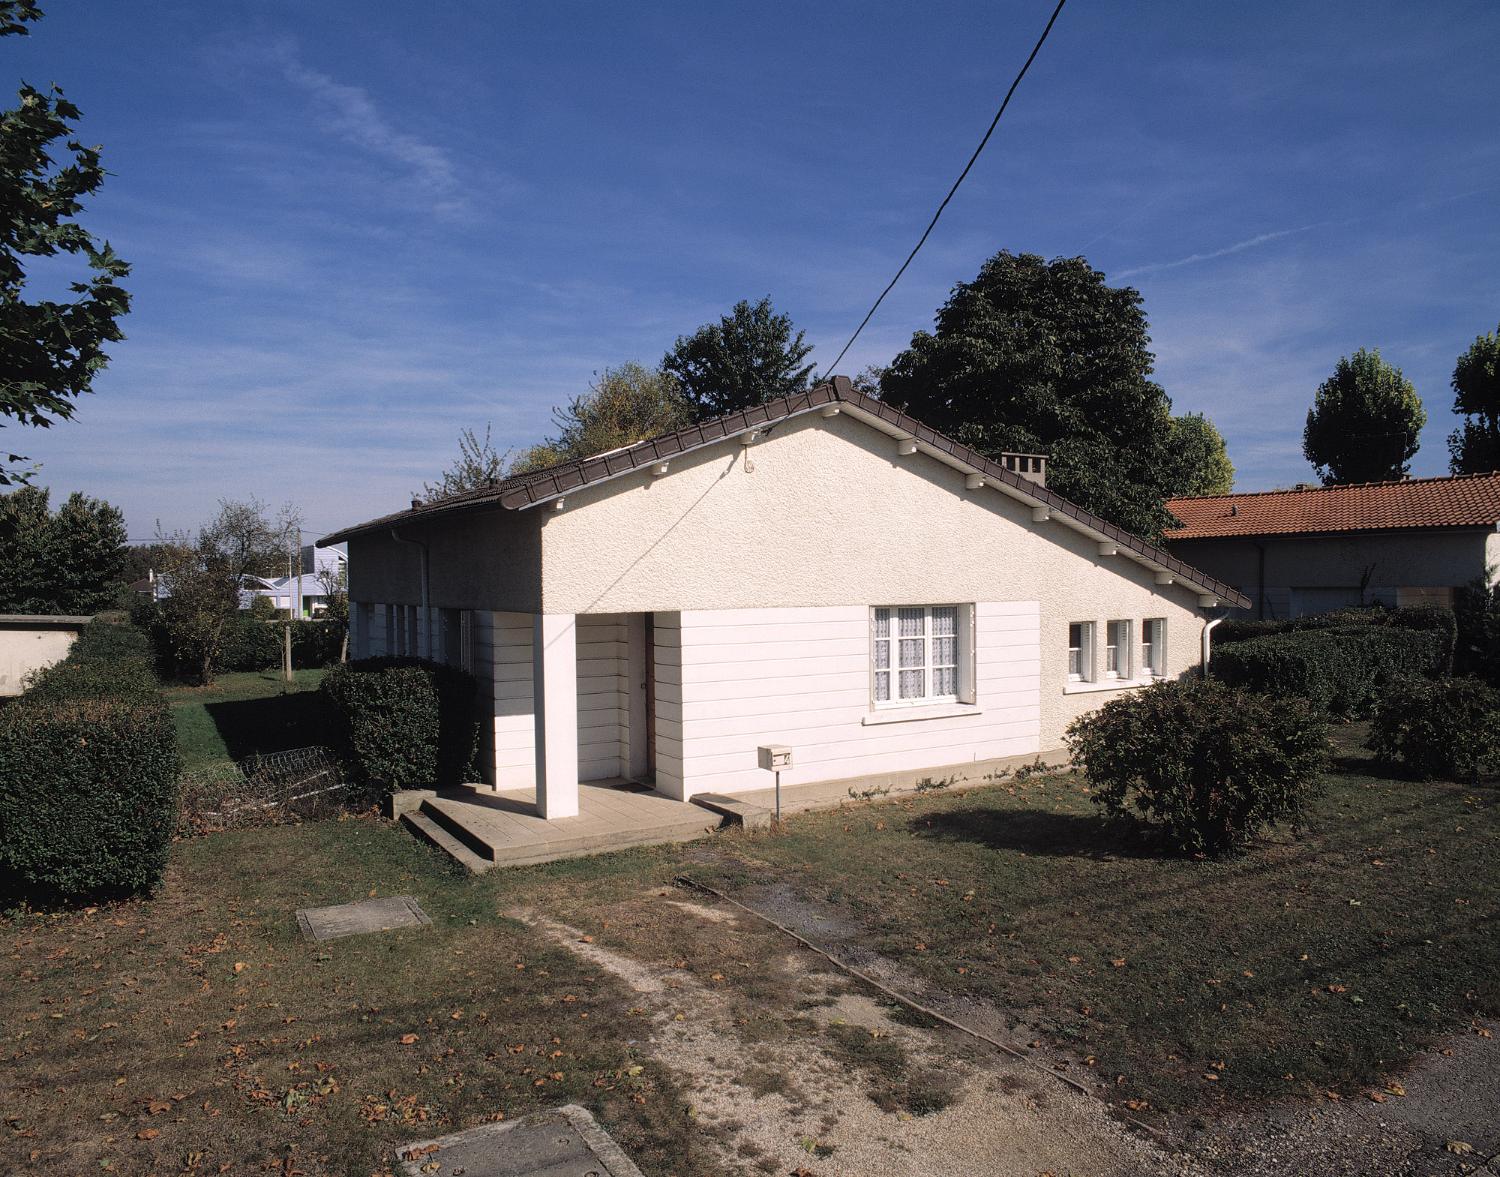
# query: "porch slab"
[567,1142]
[504,829]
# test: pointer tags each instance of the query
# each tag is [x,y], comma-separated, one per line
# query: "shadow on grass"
[276,723]
[1041,831]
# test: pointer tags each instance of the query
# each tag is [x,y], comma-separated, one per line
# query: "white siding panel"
[802,677]
[603,705]
[514,727]
[666,636]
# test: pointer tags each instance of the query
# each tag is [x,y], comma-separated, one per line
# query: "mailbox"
[775,757]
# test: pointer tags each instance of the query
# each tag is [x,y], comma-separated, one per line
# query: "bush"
[1477,611]
[405,723]
[1208,764]
[88,770]
[106,659]
[249,645]
[316,643]
[88,792]
[1342,670]
[1445,729]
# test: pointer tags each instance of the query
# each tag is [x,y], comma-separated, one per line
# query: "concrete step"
[734,811]
[434,811]
[429,831]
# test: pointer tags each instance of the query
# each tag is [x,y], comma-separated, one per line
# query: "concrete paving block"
[368,915]
[564,1142]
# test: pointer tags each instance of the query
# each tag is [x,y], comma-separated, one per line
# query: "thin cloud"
[350,113]
[1237,247]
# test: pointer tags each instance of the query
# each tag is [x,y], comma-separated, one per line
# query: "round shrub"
[250,645]
[405,723]
[1449,728]
[1208,764]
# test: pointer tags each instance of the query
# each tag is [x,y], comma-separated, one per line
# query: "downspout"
[425,595]
[1208,639]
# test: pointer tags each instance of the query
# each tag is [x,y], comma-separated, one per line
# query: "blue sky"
[359,228]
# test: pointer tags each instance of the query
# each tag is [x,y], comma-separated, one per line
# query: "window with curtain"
[1117,649]
[914,654]
[1081,651]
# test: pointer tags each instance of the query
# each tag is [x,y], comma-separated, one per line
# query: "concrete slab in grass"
[565,1142]
[368,915]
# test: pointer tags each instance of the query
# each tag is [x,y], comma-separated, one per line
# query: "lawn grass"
[249,712]
[1303,966]
[199,1030]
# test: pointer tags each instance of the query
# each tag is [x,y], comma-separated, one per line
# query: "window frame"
[962,652]
[1085,649]
[1154,662]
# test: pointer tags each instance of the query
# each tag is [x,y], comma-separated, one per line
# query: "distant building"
[309,590]
[1315,549]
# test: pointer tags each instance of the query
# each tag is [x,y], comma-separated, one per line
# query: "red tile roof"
[1469,501]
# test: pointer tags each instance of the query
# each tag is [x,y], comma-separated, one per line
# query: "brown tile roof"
[526,490]
[1472,500]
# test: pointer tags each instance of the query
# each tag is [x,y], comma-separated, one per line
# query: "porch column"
[554,681]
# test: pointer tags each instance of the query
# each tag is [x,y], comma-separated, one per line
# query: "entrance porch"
[484,828]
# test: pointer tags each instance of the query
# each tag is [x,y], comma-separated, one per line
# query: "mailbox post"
[773,758]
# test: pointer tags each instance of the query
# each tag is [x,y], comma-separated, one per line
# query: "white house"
[821,572]
[308,589]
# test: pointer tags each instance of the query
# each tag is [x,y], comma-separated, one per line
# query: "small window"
[1081,651]
[1117,649]
[1153,647]
[914,654]
[455,624]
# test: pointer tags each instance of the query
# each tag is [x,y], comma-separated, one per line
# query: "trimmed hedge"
[1206,763]
[1343,671]
[1448,729]
[405,723]
[88,770]
[88,792]
[1423,617]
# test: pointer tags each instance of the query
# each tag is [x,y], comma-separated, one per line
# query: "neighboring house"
[1314,549]
[31,642]
[309,589]
[822,572]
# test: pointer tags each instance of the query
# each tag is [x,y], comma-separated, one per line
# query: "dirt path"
[1446,1122]
[813,1077]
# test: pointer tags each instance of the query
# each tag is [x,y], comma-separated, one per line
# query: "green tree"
[202,574]
[750,356]
[623,405]
[1365,422]
[50,349]
[1197,459]
[1474,447]
[67,562]
[1039,356]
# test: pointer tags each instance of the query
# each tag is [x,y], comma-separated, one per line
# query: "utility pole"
[286,651]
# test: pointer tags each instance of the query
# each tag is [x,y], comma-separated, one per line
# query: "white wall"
[25,648]
[731,680]
[514,726]
[603,700]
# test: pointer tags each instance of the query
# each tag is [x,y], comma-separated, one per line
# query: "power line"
[961,176]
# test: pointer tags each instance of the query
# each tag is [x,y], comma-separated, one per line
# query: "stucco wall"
[1395,560]
[826,514]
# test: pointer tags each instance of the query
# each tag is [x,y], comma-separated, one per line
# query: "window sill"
[1109,684]
[911,714]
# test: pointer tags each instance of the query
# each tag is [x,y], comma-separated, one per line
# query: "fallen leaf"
[147,1134]
[240,966]
[408,1039]
[1119,963]
[1459,1147]
[1376,1096]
